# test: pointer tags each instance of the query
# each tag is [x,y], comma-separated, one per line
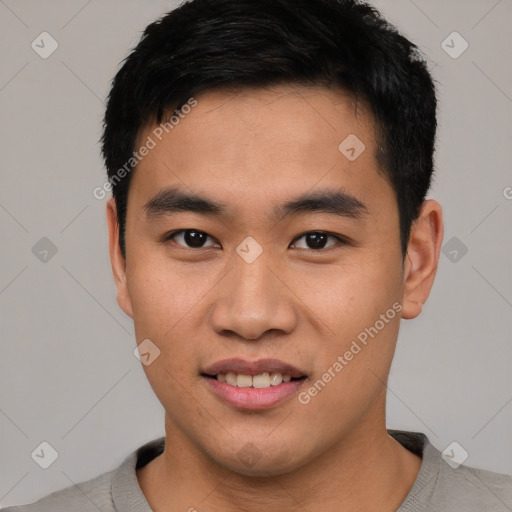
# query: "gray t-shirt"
[438,486]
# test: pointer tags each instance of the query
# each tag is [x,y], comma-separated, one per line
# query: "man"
[269,162]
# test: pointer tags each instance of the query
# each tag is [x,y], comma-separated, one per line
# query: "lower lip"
[254,398]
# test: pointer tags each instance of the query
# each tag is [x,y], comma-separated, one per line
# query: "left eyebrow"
[337,202]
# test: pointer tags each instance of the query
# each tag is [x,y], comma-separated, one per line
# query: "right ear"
[116,259]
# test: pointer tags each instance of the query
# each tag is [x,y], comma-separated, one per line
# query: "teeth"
[231,379]
[244,381]
[276,379]
[261,381]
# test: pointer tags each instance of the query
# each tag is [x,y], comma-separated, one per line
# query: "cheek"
[160,295]
[162,304]
[360,303]
[350,296]
[169,301]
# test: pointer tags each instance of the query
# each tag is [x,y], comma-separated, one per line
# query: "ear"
[116,259]
[422,258]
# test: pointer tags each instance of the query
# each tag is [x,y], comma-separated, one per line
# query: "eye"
[316,240]
[191,238]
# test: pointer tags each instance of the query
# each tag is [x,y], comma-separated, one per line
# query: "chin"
[260,460]
[264,468]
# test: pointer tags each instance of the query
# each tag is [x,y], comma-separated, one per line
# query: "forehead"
[285,115]
[246,142]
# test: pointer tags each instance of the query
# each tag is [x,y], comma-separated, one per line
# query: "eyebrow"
[337,202]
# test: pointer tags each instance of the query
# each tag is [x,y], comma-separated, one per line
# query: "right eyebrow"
[172,200]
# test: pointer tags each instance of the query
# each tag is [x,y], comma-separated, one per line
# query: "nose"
[253,300]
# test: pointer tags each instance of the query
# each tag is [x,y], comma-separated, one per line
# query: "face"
[264,263]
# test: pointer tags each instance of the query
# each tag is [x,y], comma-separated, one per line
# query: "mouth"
[253,385]
[260,381]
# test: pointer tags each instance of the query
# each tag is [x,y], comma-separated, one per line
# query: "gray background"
[68,375]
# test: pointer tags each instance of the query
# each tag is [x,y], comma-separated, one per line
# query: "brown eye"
[191,238]
[315,240]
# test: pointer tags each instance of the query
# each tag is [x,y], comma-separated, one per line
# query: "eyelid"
[341,239]
[169,236]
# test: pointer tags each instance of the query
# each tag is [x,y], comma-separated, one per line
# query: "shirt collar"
[128,496]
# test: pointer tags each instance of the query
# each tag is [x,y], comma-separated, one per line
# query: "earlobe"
[117,260]
[422,258]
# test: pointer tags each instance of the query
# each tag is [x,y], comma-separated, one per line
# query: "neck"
[367,470]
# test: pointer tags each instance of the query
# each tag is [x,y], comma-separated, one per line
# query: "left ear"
[422,258]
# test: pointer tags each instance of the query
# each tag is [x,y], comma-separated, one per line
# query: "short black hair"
[345,44]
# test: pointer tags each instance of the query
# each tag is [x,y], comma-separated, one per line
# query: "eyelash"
[340,240]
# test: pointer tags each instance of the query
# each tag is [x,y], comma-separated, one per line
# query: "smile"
[261,381]
[254,385]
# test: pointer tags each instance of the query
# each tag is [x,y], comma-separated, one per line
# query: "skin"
[251,150]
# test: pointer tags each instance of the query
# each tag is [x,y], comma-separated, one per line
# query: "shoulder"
[450,487]
[88,496]
[111,491]
[443,484]
[469,488]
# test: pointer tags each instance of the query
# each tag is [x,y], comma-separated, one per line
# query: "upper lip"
[244,367]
